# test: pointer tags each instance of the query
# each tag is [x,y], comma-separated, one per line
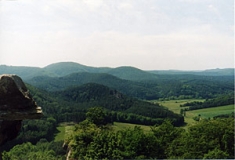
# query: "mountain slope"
[99,95]
[131,73]
[66,68]
[130,88]
[24,72]
[209,72]
[71,105]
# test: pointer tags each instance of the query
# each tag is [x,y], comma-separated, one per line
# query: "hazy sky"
[147,34]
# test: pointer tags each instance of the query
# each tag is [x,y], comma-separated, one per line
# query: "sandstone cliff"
[16,104]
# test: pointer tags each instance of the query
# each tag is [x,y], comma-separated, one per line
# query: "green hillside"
[24,72]
[209,72]
[131,73]
[66,68]
[71,105]
[165,87]
[130,88]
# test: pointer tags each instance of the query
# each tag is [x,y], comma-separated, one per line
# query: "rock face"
[16,104]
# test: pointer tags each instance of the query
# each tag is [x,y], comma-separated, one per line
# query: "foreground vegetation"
[94,138]
[189,116]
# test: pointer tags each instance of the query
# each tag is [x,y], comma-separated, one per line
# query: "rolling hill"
[24,72]
[208,72]
[131,73]
[71,104]
[124,72]
[130,88]
[65,68]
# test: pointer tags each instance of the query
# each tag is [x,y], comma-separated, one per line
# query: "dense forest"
[221,100]
[95,98]
[164,87]
[72,103]
[130,81]
[93,138]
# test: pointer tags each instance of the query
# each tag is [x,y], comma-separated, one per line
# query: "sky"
[147,34]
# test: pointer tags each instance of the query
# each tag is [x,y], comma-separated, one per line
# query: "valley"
[89,108]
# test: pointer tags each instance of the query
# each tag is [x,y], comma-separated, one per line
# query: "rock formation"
[16,104]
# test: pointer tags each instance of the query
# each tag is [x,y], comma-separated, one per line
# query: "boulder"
[16,104]
[15,101]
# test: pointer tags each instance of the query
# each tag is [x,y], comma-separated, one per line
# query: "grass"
[174,105]
[120,126]
[60,135]
[64,131]
[211,112]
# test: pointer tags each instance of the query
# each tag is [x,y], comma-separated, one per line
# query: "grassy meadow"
[64,131]
[120,126]
[211,112]
[174,105]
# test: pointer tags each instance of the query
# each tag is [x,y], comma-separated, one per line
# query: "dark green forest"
[94,98]
[221,100]
[93,138]
[163,87]
[72,103]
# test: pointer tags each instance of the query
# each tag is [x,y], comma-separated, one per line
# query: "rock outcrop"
[16,104]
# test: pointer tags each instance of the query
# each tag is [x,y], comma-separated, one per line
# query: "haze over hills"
[130,88]
[129,80]
[124,72]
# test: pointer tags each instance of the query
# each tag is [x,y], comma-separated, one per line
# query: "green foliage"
[207,139]
[96,115]
[216,154]
[166,134]
[34,130]
[72,103]
[203,138]
[42,150]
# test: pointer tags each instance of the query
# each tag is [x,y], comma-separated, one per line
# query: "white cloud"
[175,51]
[125,6]
[148,35]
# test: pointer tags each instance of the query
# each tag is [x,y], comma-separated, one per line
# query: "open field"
[211,112]
[174,105]
[120,126]
[64,130]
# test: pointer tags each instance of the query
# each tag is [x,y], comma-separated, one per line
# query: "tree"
[216,154]
[96,115]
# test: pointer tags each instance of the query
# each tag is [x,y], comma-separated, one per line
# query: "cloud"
[149,34]
[175,51]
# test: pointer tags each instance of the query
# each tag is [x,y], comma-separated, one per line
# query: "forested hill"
[130,88]
[71,105]
[128,73]
[165,87]
[129,80]
[209,72]
[65,68]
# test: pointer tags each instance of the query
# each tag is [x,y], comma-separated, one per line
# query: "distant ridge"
[66,68]
[127,87]
[131,73]
[124,72]
[208,72]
